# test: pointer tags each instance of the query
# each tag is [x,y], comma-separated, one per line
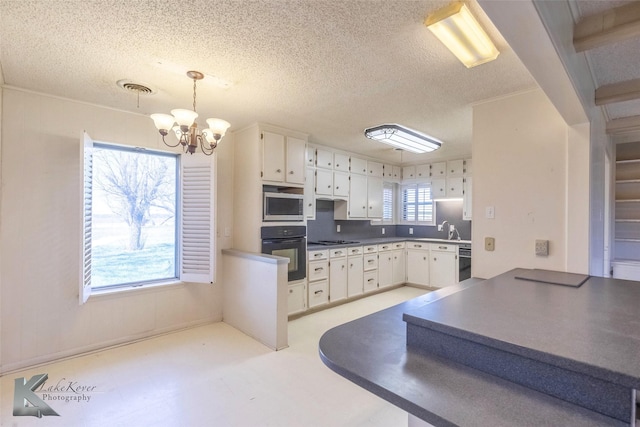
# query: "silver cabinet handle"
[338,252]
[425,258]
[337,165]
[290,172]
[310,204]
[442,247]
[370,280]
[278,170]
[417,246]
[329,164]
[371,260]
[290,291]
[318,292]
[319,269]
[317,255]
[385,247]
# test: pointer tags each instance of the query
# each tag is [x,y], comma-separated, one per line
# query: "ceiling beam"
[623,125]
[618,92]
[610,26]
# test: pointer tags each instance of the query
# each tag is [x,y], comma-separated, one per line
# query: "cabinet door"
[408,172]
[309,194]
[418,267]
[467,202]
[297,298]
[399,267]
[385,269]
[438,188]
[311,157]
[374,197]
[324,159]
[355,279]
[338,279]
[358,196]
[387,172]
[324,182]
[341,184]
[438,170]
[370,279]
[468,167]
[358,166]
[397,173]
[423,172]
[273,157]
[318,270]
[375,169]
[296,151]
[454,187]
[341,162]
[318,293]
[442,268]
[455,167]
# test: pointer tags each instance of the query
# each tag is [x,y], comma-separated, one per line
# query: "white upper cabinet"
[341,184]
[273,157]
[397,173]
[283,158]
[374,197]
[324,182]
[358,197]
[358,166]
[455,186]
[455,167]
[468,167]
[387,172]
[295,160]
[309,194]
[438,170]
[467,212]
[439,188]
[409,172]
[324,159]
[423,172]
[375,169]
[341,162]
[311,157]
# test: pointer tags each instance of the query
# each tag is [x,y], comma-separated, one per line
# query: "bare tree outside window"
[134,205]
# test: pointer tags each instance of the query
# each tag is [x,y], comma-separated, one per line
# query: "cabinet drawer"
[418,245]
[385,247]
[370,262]
[355,251]
[399,245]
[371,249]
[317,255]
[370,280]
[318,270]
[443,247]
[318,293]
[338,253]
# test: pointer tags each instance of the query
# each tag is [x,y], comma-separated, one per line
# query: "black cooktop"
[332,242]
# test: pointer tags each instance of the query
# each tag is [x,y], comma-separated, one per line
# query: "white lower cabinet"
[318,293]
[385,265]
[355,271]
[318,276]
[370,279]
[443,265]
[418,263]
[338,274]
[399,265]
[297,298]
[370,267]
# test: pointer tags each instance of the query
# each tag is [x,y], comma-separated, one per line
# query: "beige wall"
[521,165]
[39,249]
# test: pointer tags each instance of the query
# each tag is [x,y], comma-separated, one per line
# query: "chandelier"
[186,128]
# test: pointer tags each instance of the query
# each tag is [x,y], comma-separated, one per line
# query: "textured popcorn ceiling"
[329,68]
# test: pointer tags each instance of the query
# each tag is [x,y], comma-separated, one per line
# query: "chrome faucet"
[450,230]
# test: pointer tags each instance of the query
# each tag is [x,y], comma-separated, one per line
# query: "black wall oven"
[288,242]
[464,262]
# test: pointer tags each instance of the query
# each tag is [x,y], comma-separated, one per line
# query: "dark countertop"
[372,352]
[383,240]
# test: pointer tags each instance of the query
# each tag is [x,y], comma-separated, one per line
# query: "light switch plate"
[489,244]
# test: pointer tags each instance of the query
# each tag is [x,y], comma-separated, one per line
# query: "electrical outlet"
[410,230]
[452,228]
[338,228]
[439,227]
[489,212]
[489,244]
[382,230]
[542,247]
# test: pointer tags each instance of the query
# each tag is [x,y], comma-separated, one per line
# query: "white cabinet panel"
[408,172]
[467,211]
[358,166]
[399,266]
[370,280]
[309,194]
[358,196]
[439,188]
[324,159]
[375,169]
[311,157]
[273,158]
[324,182]
[423,172]
[338,276]
[318,270]
[418,267]
[370,262]
[385,269]
[397,173]
[438,170]
[455,187]
[341,162]
[341,184]
[387,172]
[355,277]
[295,160]
[455,167]
[468,167]
[374,197]
[443,263]
[318,293]
[297,298]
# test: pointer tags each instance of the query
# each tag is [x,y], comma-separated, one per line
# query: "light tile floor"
[214,375]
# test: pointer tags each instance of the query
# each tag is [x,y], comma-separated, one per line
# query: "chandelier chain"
[194,94]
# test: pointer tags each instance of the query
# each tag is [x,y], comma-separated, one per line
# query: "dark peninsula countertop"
[373,353]
[383,240]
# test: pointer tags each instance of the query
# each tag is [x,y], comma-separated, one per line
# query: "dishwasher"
[464,262]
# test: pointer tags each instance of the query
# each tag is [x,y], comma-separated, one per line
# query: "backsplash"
[324,226]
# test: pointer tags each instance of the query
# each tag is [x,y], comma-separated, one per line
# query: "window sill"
[128,290]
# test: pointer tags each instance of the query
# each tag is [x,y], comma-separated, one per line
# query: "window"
[387,203]
[147,217]
[416,204]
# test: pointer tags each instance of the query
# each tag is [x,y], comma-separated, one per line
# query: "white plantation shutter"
[416,204]
[86,192]
[387,202]
[197,239]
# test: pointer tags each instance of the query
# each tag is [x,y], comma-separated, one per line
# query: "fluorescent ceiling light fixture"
[456,27]
[403,138]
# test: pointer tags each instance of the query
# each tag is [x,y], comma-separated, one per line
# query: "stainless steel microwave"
[283,207]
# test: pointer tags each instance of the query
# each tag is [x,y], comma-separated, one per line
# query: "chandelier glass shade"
[183,123]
